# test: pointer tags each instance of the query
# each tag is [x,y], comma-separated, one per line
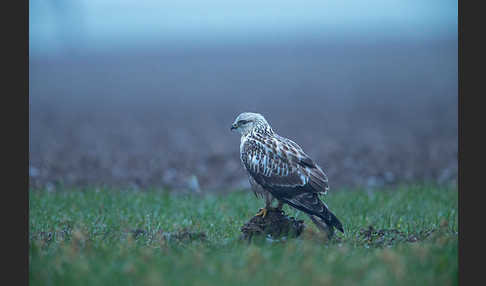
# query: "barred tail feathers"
[317,211]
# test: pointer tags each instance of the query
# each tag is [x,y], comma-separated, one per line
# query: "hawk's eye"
[242,122]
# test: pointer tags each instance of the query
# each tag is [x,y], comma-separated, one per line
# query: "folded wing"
[280,166]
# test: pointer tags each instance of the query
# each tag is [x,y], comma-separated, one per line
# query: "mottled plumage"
[279,168]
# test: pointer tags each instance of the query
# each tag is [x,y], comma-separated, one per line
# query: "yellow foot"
[262,213]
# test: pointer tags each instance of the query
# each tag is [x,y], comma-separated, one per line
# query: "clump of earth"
[276,224]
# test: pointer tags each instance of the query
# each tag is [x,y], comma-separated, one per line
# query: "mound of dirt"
[275,223]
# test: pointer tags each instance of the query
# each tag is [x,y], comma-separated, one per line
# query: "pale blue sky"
[101,24]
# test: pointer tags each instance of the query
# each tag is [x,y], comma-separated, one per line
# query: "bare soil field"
[372,115]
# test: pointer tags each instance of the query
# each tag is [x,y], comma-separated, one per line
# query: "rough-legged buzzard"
[279,169]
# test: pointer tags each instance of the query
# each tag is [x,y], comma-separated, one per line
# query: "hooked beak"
[233,126]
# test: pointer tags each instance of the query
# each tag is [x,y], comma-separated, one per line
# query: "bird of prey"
[279,169]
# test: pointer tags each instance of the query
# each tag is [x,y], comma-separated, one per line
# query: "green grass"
[85,237]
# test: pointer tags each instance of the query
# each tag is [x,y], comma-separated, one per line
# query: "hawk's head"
[247,122]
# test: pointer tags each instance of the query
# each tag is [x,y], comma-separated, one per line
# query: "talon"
[262,213]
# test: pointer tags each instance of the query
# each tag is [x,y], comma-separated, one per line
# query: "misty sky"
[100,25]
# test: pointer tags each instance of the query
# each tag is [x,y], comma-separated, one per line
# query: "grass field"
[404,236]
